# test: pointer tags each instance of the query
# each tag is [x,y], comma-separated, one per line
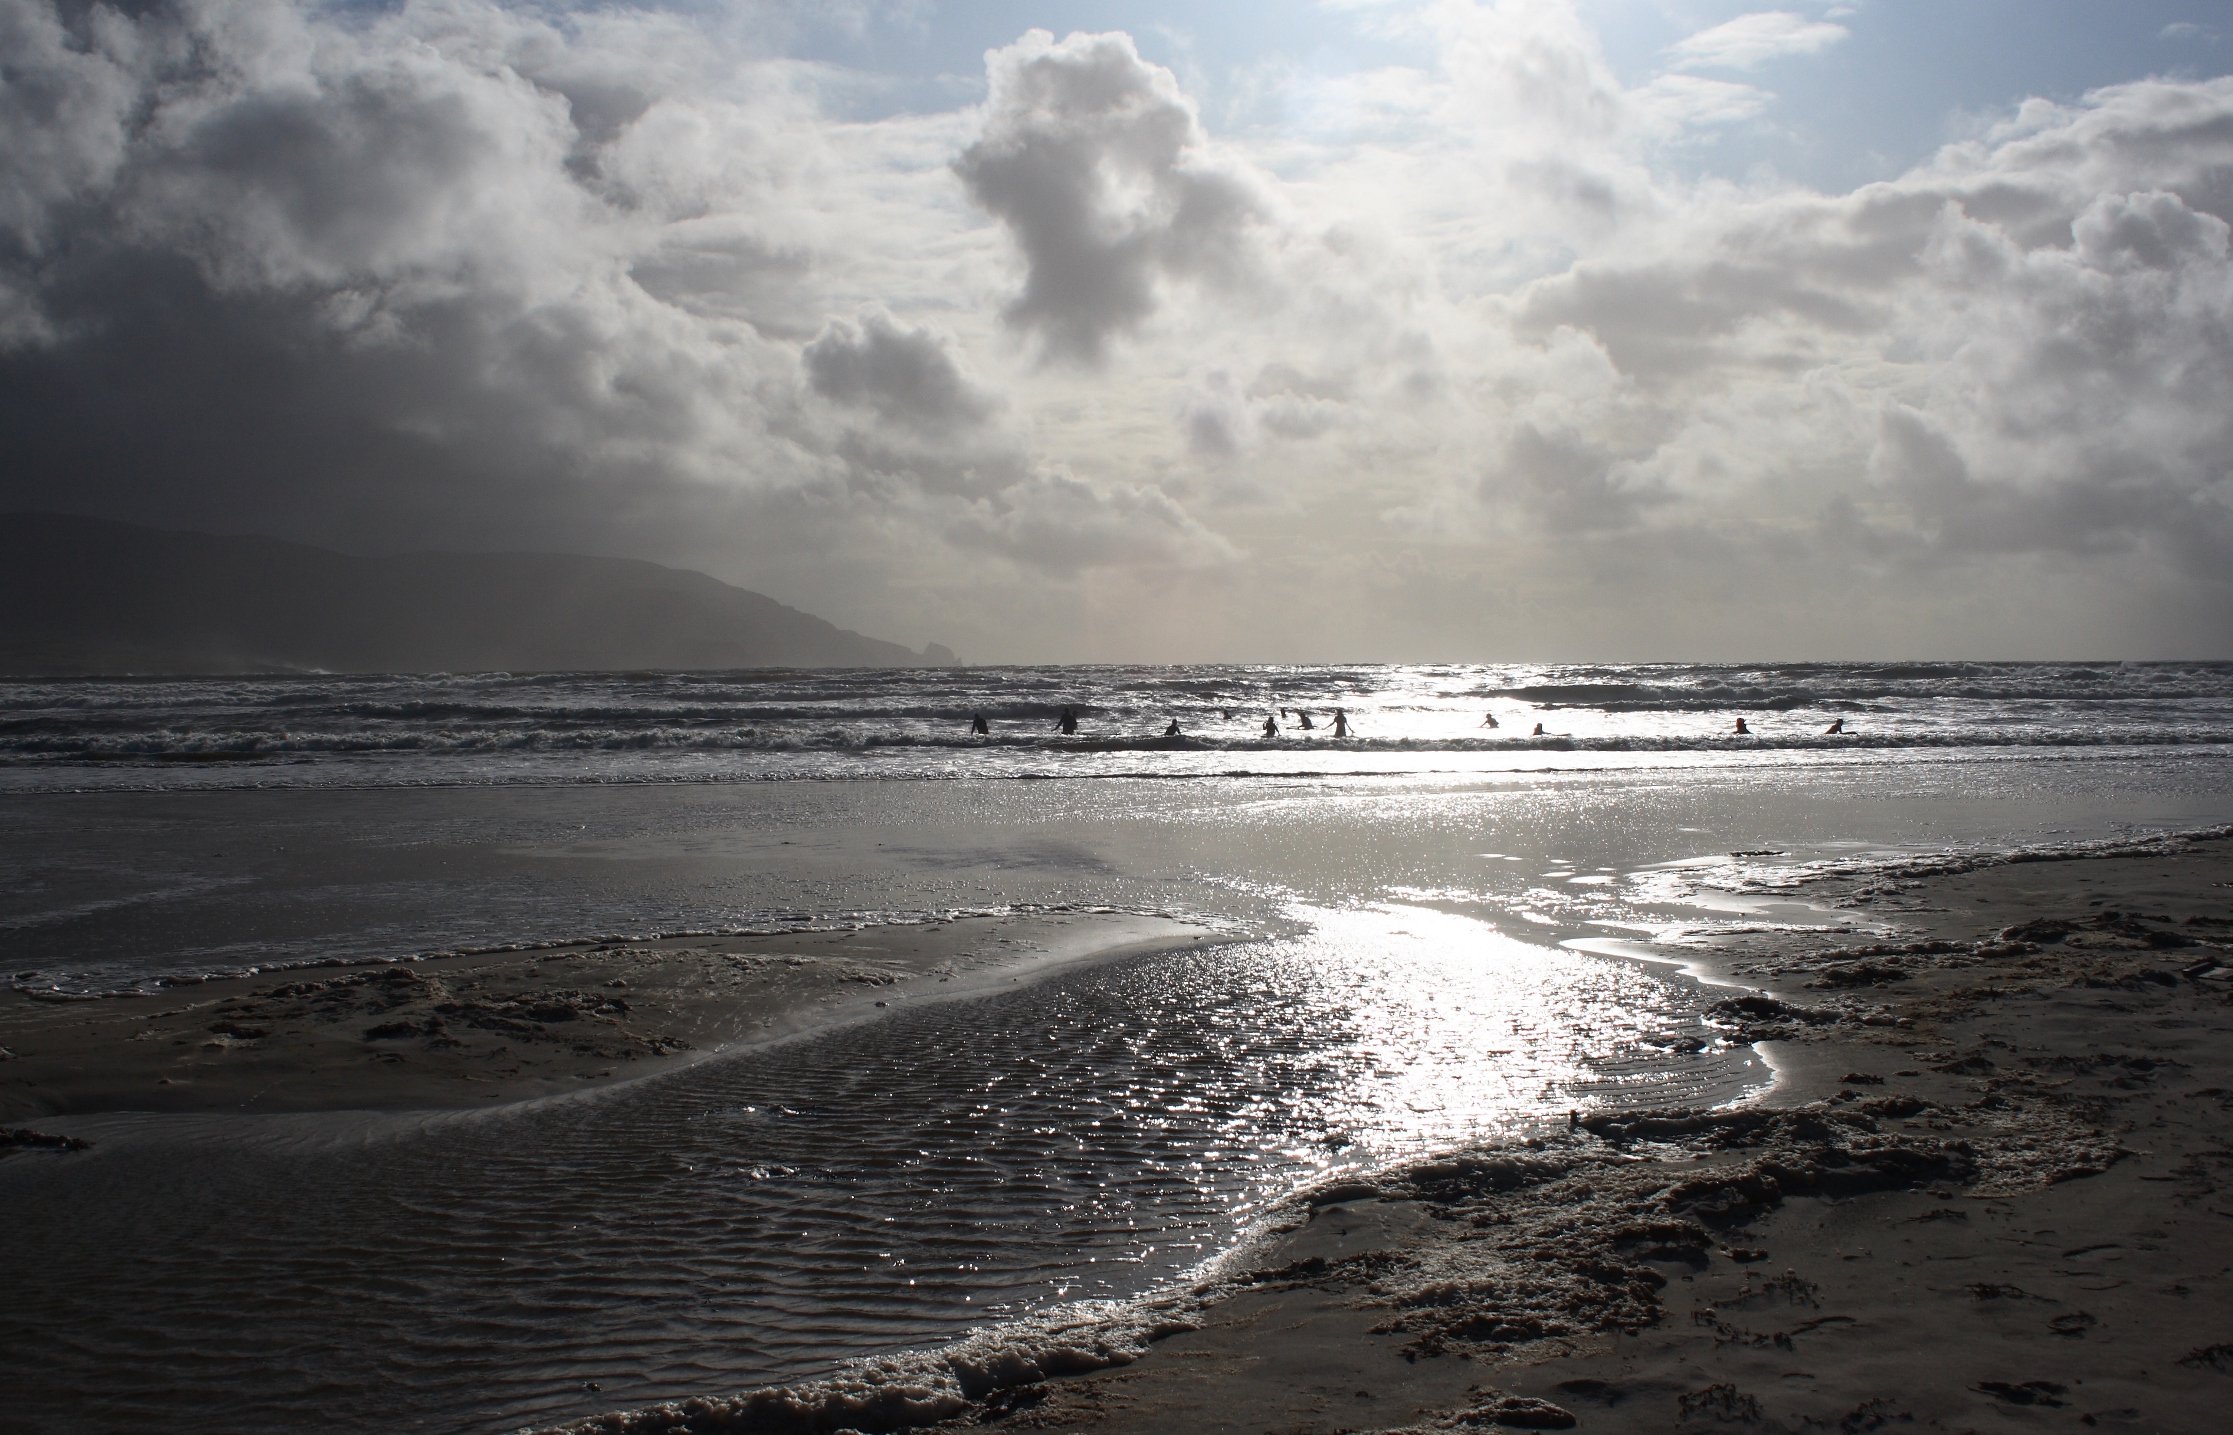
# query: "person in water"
[1489,721]
[1538,731]
[1173,729]
[1302,719]
[1742,730]
[1068,722]
[1341,722]
[1836,726]
[978,725]
[1271,726]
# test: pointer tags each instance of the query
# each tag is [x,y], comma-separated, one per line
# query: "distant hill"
[83,595]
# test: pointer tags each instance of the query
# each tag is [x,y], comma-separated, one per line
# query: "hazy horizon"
[1365,331]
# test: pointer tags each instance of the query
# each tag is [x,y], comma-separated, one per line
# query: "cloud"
[1094,160]
[1569,483]
[473,274]
[1753,40]
[477,274]
[906,375]
[1057,521]
[2035,340]
[1681,101]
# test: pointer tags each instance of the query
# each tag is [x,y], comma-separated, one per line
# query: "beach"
[1349,718]
[1990,1190]
[491,1054]
[1987,1188]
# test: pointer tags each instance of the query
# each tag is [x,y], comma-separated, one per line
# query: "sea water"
[1409,917]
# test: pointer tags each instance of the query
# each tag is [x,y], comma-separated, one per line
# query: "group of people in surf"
[1836,727]
[1067,724]
[1301,719]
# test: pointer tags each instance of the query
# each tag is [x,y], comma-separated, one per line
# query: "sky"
[1362,330]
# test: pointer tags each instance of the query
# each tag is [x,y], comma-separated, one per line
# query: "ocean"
[783,725]
[1436,930]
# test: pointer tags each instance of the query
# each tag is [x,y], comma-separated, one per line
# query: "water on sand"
[1396,982]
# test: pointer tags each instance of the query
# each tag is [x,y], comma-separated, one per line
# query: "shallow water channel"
[754,1218]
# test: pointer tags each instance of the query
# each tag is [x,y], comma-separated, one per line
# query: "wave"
[1634,697]
[267,746]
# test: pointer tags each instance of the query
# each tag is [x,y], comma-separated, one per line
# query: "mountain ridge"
[90,596]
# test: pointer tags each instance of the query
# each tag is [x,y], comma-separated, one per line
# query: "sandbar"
[474,1029]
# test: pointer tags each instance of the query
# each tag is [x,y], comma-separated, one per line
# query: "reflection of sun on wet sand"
[1993,1188]
[1993,1183]
[468,1030]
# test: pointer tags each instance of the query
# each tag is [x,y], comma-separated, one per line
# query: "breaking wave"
[251,746]
[779,724]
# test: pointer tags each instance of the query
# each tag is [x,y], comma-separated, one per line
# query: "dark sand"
[1993,1191]
[469,1030]
[2022,1218]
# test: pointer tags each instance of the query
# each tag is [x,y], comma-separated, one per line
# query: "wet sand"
[1993,1190]
[483,1028]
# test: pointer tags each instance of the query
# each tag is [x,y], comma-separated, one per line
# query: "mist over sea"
[1431,933]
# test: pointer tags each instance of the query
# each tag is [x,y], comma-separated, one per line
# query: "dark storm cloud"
[322,283]
[905,375]
[1093,159]
[473,275]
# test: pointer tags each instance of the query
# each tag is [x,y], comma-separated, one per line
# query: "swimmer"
[1341,722]
[1302,719]
[1489,721]
[1068,722]
[1538,731]
[1838,726]
[1173,729]
[978,725]
[1271,726]
[1742,730]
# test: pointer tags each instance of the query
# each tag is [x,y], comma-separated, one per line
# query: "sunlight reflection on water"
[754,1218]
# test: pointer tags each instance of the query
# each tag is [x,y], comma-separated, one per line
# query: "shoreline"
[476,1030]
[172,777]
[1992,1186]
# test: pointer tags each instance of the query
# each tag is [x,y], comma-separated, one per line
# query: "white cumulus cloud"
[1750,41]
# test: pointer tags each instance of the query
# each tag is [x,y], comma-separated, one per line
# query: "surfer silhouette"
[1341,722]
[1742,730]
[1836,726]
[1302,720]
[1173,729]
[1538,731]
[1068,722]
[1271,726]
[978,725]
[1489,721]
